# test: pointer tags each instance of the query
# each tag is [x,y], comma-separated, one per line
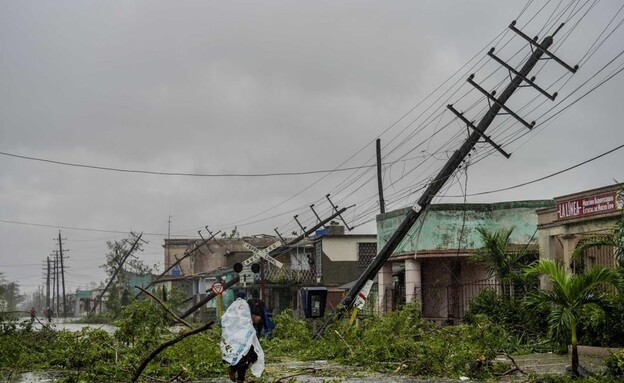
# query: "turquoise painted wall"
[442,228]
[137,280]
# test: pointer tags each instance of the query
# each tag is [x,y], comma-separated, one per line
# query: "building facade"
[578,217]
[432,265]
[329,259]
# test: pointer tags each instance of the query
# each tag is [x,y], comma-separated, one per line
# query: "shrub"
[526,328]
[603,328]
[615,364]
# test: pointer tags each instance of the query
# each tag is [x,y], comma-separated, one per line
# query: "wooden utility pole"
[112,278]
[275,252]
[48,284]
[449,168]
[382,204]
[57,280]
[177,262]
[60,241]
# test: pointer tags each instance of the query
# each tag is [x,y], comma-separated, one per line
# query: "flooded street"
[68,324]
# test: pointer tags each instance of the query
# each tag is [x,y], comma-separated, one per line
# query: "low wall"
[602,352]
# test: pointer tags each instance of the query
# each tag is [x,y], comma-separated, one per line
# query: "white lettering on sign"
[598,204]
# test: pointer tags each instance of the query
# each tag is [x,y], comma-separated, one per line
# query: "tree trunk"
[575,357]
[575,360]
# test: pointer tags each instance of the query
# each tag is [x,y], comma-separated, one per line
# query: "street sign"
[217,288]
[264,253]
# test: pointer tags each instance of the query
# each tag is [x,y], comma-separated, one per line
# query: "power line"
[545,177]
[463,195]
[71,227]
[162,173]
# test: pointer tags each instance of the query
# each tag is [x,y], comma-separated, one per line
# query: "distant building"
[341,258]
[330,258]
[83,301]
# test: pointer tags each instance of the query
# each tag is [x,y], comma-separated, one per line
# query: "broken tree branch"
[345,342]
[168,343]
[180,320]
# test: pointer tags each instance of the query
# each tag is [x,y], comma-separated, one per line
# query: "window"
[366,252]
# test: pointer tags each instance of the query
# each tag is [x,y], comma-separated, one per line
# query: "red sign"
[585,206]
[217,288]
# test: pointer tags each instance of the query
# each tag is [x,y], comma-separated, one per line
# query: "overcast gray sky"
[264,87]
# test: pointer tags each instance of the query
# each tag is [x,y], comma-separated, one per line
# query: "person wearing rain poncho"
[239,344]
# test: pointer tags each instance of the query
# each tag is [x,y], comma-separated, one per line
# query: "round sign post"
[217,289]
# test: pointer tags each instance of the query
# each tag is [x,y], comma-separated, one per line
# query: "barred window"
[366,252]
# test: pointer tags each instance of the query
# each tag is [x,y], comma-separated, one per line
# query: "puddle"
[68,324]
[28,377]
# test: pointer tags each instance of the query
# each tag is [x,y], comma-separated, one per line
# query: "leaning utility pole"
[112,278]
[177,262]
[455,161]
[279,250]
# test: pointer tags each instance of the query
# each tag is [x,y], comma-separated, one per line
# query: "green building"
[431,264]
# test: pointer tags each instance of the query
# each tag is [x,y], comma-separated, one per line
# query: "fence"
[447,303]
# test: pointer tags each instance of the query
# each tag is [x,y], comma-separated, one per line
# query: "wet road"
[326,371]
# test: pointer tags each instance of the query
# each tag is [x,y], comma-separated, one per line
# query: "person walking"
[258,313]
[239,344]
[33,314]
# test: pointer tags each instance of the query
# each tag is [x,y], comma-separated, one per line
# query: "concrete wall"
[345,247]
[453,226]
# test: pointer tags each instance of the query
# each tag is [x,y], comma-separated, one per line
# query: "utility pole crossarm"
[526,79]
[499,102]
[177,262]
[315,213]
[339,215]
[540,47]
[309,231]
[471,125]
[317,226]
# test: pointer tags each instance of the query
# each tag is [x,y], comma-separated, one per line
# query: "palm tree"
[568,295]
[500,260]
